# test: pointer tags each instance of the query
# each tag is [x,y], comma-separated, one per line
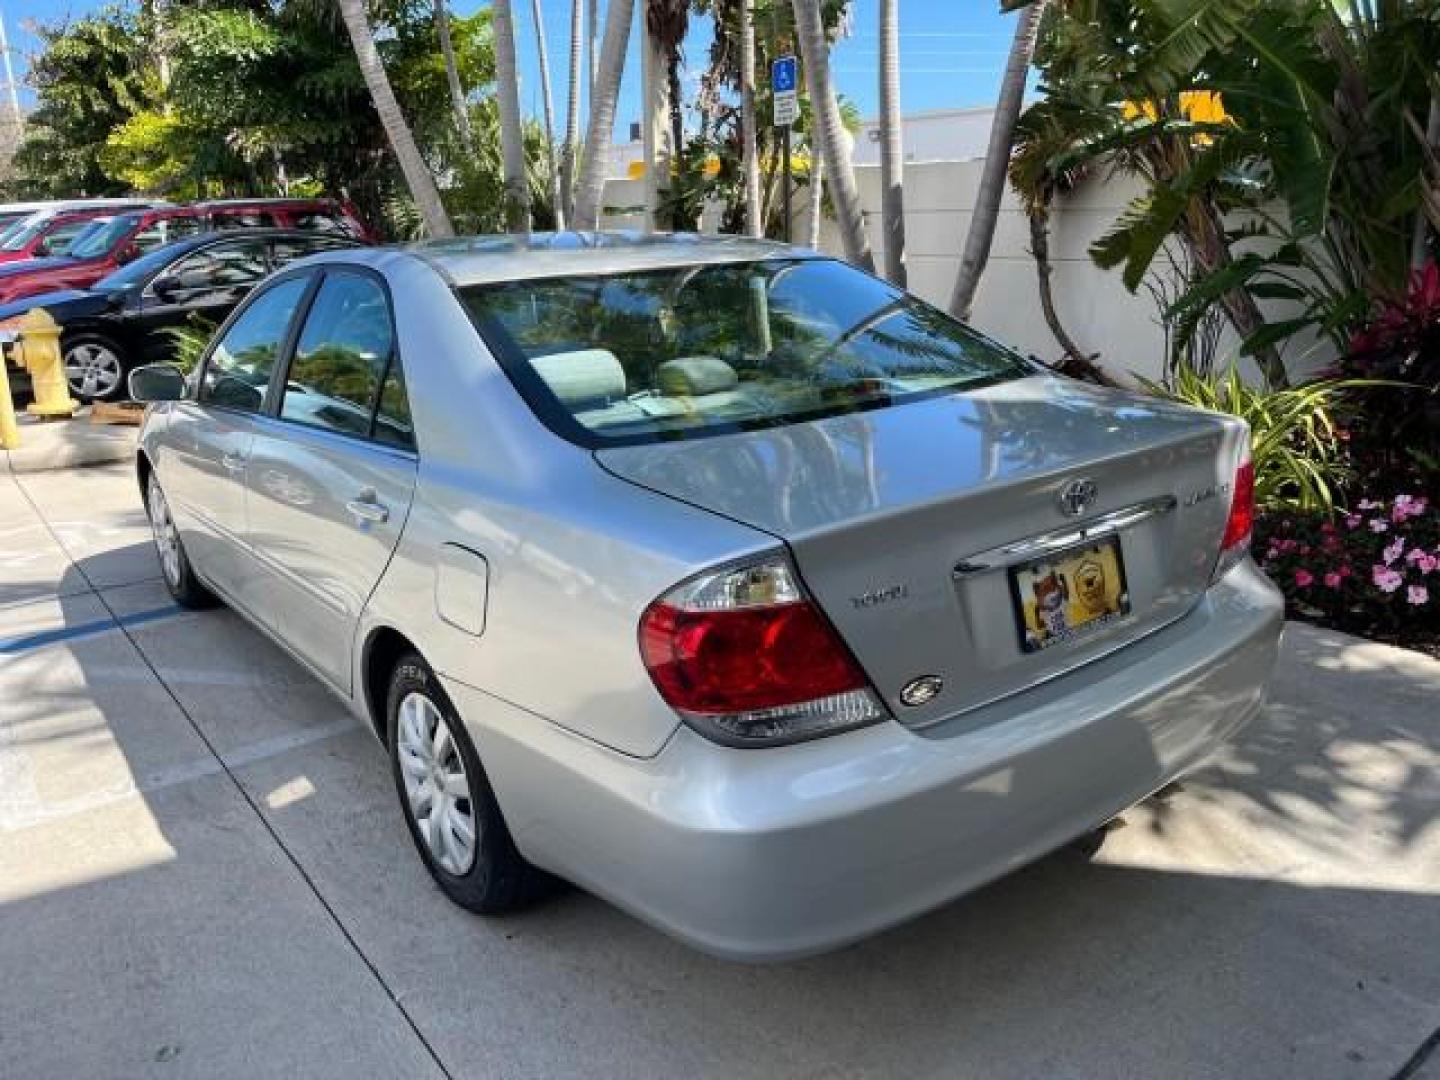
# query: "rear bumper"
[768,854]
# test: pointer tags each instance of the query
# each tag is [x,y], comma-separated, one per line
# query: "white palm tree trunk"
[512,133]
[997,163]
[817,194]
[754,222]
[452,77]
[572,109]
[590,188]
[815,52]
[397,131]
[548,105]
[892,151]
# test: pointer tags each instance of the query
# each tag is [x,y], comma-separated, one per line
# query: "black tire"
[107,363]
[498,880]
[186,589]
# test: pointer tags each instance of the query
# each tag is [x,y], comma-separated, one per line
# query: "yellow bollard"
[9,432]
[39,351]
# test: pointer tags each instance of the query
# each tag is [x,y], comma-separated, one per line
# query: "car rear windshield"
[94,243]
[641,357]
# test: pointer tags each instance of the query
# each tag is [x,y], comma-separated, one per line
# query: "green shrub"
[1299,454]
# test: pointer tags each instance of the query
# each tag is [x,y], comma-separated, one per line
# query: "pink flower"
[1347,571]
[1427,564]
[1379,525]
[1385,579]
[1392,551]
[1352,521]
[1304,579]
[1333,580]
[1407,506]
[1417,594]
[1370,504]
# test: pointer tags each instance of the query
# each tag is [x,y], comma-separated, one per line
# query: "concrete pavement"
[204,872]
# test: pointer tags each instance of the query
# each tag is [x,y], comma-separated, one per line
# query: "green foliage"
[188,341]
[1294,439]
[90,76]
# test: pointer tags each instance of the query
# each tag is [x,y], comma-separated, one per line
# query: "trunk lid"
[905,522]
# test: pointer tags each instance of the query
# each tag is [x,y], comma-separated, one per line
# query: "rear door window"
[343,377]
[243,219]
[164,231]
[240,365]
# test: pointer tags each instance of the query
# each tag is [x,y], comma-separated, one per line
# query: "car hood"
[30,266]
[62,305]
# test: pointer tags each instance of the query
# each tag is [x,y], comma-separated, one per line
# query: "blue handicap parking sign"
[783,74]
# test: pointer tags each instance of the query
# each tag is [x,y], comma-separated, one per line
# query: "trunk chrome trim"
[1018,551]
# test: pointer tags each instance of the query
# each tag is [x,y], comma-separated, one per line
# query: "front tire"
[95,368]
[180,579]
[446,797]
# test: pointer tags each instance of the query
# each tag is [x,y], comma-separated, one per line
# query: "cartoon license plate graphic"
[1069,594]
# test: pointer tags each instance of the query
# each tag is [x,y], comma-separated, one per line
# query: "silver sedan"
[715,576]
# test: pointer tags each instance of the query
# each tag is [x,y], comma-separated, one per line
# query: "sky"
[952,52]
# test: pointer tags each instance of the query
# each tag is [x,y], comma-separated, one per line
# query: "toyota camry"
[716,576]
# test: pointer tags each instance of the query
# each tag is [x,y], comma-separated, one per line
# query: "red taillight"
[747,659]
[1235,544]
[1242,508]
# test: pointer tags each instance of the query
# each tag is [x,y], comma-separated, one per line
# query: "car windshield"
[675,353]
[139,271]
[23,231]
[93,243]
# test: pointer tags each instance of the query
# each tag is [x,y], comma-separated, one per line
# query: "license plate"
[1069,594]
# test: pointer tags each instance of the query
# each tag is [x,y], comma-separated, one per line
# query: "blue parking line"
[12,646]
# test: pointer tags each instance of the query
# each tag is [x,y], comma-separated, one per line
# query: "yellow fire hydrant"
[38,351]
[9,432]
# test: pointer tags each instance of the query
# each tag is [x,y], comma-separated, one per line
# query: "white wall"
[941,135]
[1093,304]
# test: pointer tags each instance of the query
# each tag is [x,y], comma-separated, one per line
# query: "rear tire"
[180,579]
[447,800]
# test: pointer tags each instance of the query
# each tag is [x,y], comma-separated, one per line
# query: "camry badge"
[1077,496]
[922,690]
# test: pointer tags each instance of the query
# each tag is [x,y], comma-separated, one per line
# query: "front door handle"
[233,462]
[367,510]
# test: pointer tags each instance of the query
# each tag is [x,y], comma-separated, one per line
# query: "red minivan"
[113,241]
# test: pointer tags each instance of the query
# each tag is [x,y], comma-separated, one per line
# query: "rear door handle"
[233,462]
[368,510]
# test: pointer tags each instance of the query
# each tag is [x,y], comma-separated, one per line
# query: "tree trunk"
[997,162]
[548,105]
[892,152]
[817,195]
[815,52]
[654,111]
[397,131]
[1206,236]
[594,60]
[452,77]
[1075,363]
[572,112]
[591,187]
[512,133]
[754,223]
[1420,239]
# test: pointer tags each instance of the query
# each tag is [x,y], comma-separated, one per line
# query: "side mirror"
[165,286]
[157,382]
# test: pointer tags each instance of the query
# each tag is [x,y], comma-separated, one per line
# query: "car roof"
[262,203]
[478,260]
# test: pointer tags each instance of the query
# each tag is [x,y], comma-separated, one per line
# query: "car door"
[210,436]
[198,289]
[332,471]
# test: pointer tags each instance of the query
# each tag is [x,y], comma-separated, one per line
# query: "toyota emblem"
[1077,496]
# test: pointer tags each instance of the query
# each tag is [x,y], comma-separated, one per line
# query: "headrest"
[695,375]
[583,376]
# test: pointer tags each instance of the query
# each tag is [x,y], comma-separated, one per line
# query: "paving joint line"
[1418,1059]
[265,823]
